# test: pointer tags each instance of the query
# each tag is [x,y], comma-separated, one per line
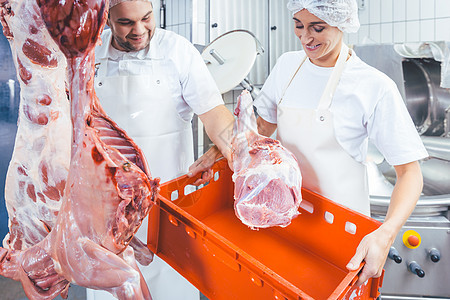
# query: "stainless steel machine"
[418,266]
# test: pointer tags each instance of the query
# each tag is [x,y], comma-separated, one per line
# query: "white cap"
[342,14]
[113,3]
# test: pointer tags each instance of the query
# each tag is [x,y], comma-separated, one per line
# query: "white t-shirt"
[366,106]
[192,87]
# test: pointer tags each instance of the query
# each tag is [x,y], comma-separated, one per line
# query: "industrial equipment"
[418,265]
[230,57]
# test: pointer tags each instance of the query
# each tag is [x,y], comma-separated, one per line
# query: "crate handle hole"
[188,189]
[329,217]
[308,206]
[350,227]
[174,195]
[216,176]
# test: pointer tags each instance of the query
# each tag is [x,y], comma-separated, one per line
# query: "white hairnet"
[342,14]
[113,3]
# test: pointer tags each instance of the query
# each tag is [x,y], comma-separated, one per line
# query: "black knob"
[435,255]
[215,25]
[394,255]
[273,28]
[416,269]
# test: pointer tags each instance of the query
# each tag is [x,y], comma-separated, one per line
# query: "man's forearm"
[218,124]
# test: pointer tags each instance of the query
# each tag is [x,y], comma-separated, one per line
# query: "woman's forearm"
[407,191]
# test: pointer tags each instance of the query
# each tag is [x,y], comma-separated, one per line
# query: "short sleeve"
[392,130]
[267,99]
[199,89]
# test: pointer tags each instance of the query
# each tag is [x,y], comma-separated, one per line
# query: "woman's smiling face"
[321,42]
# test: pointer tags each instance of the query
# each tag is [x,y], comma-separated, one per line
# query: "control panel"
[418,263]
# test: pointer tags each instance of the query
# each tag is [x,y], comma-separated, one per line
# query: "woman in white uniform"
[326,104]
[150,82]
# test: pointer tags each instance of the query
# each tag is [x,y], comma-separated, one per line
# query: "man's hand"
[204,165]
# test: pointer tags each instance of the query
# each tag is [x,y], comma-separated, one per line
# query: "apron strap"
[327,96]
[293,76]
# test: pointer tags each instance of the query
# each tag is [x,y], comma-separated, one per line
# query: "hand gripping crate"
[198,234]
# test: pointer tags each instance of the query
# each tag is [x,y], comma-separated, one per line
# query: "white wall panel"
[442,8]
[412,10]
[442,32]
[427,9]
[386,33]
[413,31]
[404,21]
[374,11]
[375,33]
[386,11]
[257,16]
[283,38]
[399,10]
[250,15]
[400,32]
[427,30]
[179,17]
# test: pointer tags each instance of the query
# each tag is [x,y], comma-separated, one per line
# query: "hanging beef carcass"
[108,192]
[39,165]
[266,175]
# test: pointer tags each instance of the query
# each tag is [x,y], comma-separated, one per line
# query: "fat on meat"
[38,169]
[109,189]
[267,176]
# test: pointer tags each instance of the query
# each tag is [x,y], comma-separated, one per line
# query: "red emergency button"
[411,239]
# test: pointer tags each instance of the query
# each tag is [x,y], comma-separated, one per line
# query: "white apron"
[326,167]
[142,106]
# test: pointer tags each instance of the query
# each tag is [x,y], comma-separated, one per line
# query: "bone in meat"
[108,193]
[266,175]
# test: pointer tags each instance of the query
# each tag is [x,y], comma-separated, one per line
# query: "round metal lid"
[230,58]
[427,206]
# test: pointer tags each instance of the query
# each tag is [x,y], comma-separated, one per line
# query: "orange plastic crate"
[199,236]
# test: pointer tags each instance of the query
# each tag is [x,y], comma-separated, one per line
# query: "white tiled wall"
[399,21]
[179,17]
[189,19]
[199,22]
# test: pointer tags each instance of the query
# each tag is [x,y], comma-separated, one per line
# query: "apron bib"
[326,167]
[142,105]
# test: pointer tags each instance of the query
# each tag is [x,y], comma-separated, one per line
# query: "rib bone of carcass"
[266,175]
[108,192]
[39,165]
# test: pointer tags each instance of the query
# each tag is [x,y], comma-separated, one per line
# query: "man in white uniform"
[326,104]
[150,82]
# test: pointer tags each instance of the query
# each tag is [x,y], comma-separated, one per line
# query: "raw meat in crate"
[266,175]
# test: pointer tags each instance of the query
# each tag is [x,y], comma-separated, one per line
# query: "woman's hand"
[373,249]
[204,164]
